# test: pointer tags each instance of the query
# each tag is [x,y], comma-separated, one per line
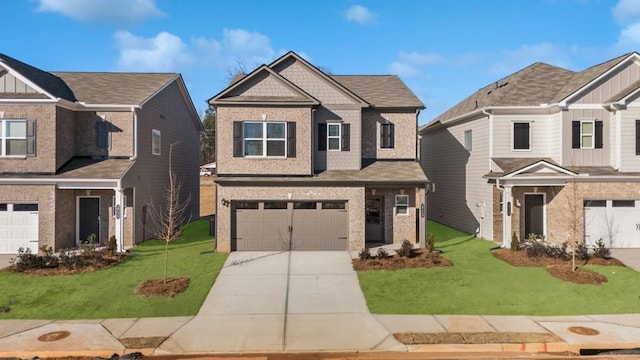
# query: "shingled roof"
[380,90]
[534,85]
[48,82]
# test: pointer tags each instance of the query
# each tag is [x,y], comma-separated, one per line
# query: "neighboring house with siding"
[87,153]
[312,161]
[542,151]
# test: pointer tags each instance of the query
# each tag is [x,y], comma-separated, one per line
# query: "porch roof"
[80,168]
[511,165]
[379,172]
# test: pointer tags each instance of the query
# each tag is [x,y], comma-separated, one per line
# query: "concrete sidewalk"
[299,302]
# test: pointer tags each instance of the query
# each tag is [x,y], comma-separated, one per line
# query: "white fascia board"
[67,183]
[543,163]
[108,107]
[27,81]
[585,106]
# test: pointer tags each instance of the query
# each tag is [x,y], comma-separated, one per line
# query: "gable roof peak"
[45,81]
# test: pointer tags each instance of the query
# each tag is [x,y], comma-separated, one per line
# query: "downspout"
[490,115]
[315,146]
[135,133]
[618,115]
[417,137]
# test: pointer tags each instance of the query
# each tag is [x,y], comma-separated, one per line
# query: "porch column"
[119,215]
[507,210]
[422,218]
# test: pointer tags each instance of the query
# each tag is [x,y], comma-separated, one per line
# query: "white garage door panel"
[18,230]
[617,226]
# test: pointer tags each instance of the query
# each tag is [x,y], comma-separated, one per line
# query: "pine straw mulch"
[421,258]
[559,268]
[158,287]
[476,338]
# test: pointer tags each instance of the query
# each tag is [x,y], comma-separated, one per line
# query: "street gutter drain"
[54,336]
[583,330]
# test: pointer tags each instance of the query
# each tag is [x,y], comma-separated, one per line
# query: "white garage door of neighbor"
[616,222]
[18,228]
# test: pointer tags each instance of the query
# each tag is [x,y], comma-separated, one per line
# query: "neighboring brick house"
[87,153]
[312,161]
[544,151]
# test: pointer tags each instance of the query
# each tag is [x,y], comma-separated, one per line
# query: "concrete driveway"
[4,260]
[630,257]
[289,301]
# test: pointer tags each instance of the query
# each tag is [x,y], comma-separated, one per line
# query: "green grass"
[479,283]
[108,293]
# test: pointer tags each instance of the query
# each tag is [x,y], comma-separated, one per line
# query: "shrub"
[601,251]
[364,254]
[535,248]
[382,253]
[558,252]
[430,242]
[406,249]
[515,243]
[582,251]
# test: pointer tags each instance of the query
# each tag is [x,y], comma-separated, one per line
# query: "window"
[521,136]
[275,205]
[501,202]
[595,203]
[402,204]
[304,205]
[468,140]
[155,142]
[247,205]
[3,207]
[623,203]
[265,139]
[25,207]
[333,205]
[387,136]
[17,137]
[333,137]
[586,134]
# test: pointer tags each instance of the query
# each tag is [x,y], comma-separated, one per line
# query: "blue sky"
[443,50]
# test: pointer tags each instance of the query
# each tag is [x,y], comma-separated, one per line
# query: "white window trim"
[264,139]
[593,134]
[4,138]
[339,136]
[155,133]
[468,146]
[513,125]
[407,206]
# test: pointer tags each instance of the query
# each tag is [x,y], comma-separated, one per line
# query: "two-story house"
[312,161]
[87,153]
[544,151]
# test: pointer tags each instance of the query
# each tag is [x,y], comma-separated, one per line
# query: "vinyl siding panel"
[541,143]
[167,112]
[630,161]
[610,85]
[11,85]
[462,198]
[586,157]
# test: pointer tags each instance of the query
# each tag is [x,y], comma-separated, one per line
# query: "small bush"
[558,252]
[601,251]
[430,242]
[535,248]
[364,254]
[382,253]
[406,249]
[515,243]
[582,251]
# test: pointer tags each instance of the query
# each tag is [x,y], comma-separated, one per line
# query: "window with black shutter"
[386,136]
[346,137]
[587,134]
[322,137]
[522,136]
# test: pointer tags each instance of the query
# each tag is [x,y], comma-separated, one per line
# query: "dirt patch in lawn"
[143,342]
[158,287]
[420,258]
[561,269]
[476,338]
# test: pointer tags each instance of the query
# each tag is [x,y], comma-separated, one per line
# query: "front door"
[374,218]
[533,214]
[88,218]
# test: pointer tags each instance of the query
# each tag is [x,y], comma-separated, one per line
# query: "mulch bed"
[476,338]
[158,287]
[143,342]
[95,263]
[561,269]
[421,258]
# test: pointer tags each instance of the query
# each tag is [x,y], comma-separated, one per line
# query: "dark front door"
[374,219]
[533,214]
[88,218]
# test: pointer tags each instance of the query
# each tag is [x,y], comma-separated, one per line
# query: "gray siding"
[544,136]
[610,85]
[167,112]
[586,157]
[630,161]
[462,198]
[12,85]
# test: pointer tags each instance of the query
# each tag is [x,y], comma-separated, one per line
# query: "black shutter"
[237,139]
[291,139]
[102,134]
[575,134]
[391,135]
[31,138]
[346,142]
[598,142]
[637,137]
[322,137]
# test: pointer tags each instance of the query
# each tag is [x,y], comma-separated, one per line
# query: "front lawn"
[480,284]
[109,293]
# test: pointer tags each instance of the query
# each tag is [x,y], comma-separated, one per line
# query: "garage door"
[18,227]
[616,222]
[289,225]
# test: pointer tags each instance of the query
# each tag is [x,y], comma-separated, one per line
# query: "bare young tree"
[171,214]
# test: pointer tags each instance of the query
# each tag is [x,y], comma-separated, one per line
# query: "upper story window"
[18,137]
[387,136]
[521,136]
[402,204]
[468,140]
[155,142]
[334,137]
[586,134]
[264,139]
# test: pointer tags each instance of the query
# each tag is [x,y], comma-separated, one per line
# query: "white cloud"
[360,14]
[168,52]
[404,70]
[525,55]
[627,12]
[118,11]
[419,59]
[411,64]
